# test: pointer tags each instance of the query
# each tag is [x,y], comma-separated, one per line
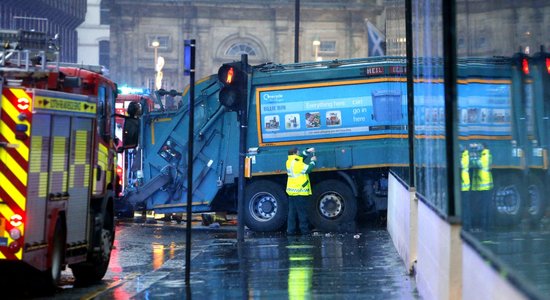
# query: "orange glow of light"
[525,66]
[229,78]
[158,256]
[172,250]
[548,65]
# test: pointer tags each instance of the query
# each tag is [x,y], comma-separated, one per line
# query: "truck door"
[101,164]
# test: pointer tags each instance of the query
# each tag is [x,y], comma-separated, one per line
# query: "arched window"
[241,48]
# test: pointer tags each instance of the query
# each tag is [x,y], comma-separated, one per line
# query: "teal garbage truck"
[354,113]
[350,111]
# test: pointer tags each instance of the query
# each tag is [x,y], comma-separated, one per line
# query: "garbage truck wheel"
[509,199]
[334,206]
[266,206]
[536,206]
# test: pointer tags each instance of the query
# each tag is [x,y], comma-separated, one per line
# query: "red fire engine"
[57,161]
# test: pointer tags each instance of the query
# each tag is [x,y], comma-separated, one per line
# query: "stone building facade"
[223,30]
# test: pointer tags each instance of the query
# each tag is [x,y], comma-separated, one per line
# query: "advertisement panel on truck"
[350,110]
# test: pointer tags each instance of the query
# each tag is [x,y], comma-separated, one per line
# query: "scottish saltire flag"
[376,41]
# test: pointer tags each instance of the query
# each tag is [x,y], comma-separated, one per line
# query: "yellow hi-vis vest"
[298,180]
[465,170]
[484,179]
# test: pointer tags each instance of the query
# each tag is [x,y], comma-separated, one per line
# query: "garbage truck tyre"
[508,199]
[266,206]
[536,206]
[334,206]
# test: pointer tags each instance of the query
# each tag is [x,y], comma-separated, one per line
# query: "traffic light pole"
[243,121]
[189,70]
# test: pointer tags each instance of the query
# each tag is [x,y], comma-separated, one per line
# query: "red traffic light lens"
[525,66]
[548,65]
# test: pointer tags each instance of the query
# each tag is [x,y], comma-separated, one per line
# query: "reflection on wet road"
[148,263]
[274,266]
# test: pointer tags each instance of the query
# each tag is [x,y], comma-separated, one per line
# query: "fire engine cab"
[57,161]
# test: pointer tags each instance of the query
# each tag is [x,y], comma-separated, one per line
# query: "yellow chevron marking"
[5,211]
[8,133]
[20,93]
[19,172]
[13,192]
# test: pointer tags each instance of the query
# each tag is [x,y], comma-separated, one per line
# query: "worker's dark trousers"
[481,204]
[467,211]
[297,211]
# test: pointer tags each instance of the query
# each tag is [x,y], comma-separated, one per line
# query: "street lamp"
[316,44]
[155,44]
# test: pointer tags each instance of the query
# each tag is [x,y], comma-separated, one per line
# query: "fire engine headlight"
[15,233]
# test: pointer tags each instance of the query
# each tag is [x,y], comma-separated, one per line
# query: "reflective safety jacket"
[465,170]
[483,179]
[298,178]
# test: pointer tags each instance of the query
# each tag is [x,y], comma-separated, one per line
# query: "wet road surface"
[149,263]
[343,266]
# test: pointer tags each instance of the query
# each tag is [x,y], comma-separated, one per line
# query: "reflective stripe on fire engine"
[103,156]
[102,162]
[9,111]
[80,168]
[39,166]
[15,110]
[59,162]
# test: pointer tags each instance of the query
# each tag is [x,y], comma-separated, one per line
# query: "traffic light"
[542,61]
[521,61]
[541,76]
[234,81]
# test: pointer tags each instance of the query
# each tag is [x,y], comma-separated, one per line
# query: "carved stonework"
[266,26]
